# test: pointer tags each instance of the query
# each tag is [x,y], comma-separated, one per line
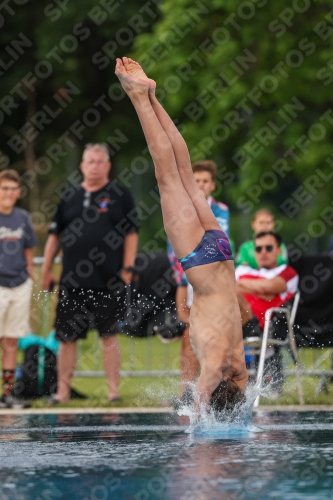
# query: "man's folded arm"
[262,286]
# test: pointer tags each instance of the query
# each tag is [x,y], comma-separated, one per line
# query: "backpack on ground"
[37,376]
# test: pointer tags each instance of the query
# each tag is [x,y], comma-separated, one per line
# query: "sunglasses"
[268,248]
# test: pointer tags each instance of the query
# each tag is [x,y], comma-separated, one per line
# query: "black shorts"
[81,310]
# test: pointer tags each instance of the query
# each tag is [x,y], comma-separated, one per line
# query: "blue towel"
[50,342]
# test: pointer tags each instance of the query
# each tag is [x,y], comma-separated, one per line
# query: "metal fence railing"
[145,357]
[140,357]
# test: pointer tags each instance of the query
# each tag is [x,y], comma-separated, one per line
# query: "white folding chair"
[260,344]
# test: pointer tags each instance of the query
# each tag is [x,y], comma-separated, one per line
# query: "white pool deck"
[78,411]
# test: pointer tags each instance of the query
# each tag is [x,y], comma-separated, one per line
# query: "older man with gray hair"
[96,226]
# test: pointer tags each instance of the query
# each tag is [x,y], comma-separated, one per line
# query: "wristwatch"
[129,269]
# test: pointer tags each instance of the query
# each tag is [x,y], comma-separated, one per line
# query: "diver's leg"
[180,218]
[182,157]
[181,154]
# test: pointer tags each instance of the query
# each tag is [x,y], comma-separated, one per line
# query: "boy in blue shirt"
[17,239]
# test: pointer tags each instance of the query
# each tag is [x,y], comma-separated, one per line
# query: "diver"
[202,248]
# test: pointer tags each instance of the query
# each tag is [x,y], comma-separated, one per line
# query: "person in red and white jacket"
[269,286]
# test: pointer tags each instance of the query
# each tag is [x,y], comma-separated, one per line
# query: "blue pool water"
[285,456]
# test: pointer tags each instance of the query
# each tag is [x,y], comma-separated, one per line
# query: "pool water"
[285,456]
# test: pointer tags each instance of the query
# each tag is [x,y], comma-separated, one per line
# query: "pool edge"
[77,411]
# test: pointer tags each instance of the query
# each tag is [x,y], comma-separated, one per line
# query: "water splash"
[237,422]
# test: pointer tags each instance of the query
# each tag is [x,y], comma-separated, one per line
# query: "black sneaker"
[13,403]
[117,399]
[52,401]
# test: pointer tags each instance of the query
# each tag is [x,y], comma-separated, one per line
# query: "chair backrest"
[294,309]
[278,320]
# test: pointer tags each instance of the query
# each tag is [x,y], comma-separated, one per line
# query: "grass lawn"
[153,355]
[136,354]
[157,391]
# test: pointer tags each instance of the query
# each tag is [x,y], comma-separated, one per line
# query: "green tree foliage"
[59,92]
[250,83]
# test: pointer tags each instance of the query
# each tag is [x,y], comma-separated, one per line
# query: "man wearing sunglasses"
[271,285]
[263,220]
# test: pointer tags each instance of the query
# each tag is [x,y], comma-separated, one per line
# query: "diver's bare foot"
[133,68]
[130,83]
